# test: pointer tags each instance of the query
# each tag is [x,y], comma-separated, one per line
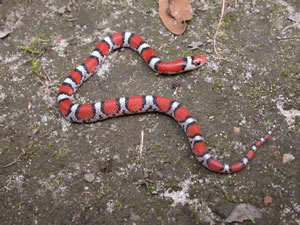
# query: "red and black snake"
[141,104]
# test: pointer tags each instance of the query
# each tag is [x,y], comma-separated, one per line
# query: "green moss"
[117,205]
[187,53]
[20,203]
[151,187]
[157,147]
[231,17]
[145,211]
[223,37]
[5,148]
[60,154]
[284,74]
[177,162]
[218,84]
[213,17]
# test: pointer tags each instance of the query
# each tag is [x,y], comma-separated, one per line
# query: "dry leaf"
[181,10]
[195,45]
[243,212]
[66,8]
[267,200]
[174,14]
[4,33]
[295,17]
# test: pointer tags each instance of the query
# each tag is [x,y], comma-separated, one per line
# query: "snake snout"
[199,60]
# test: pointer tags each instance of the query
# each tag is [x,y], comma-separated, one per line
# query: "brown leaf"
[174,14]
[267,200]
[243,212]
[195,45]
[4,33]
[181,10]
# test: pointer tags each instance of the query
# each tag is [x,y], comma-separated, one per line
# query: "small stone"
[287,158]
[208,51]
[243,121]
[89,177]
[54,195]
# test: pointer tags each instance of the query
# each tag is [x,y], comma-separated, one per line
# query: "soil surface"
[56,172]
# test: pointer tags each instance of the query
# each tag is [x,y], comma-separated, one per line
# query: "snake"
[92,112]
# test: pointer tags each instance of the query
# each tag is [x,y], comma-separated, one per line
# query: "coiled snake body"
[140,104]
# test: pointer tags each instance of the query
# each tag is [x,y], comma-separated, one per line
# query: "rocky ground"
[55,172]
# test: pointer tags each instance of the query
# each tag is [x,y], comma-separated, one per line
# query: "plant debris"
[64,9]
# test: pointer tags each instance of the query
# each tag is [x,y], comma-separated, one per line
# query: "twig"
[217,30]
[273,24]
[288,27]
[141,144]
[239,52]
[288,38]
[175,92]
[15,161]
[46,74]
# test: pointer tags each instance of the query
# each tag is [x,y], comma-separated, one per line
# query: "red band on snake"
[141,104]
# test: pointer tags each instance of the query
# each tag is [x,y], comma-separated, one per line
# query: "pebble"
[287,158]
[89,177]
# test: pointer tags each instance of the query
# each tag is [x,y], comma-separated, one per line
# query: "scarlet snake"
[140,104]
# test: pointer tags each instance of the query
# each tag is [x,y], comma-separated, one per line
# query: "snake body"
[140,104]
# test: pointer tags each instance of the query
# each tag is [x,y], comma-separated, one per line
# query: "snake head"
[199,60]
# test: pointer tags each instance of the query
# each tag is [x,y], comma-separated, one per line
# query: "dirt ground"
[56,172]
